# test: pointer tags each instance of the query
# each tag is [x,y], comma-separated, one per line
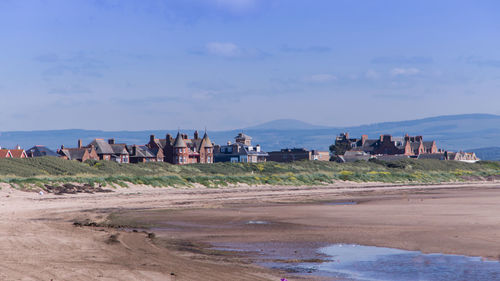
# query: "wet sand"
[39,242]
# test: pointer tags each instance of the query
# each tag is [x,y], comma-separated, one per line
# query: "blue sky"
[223,64]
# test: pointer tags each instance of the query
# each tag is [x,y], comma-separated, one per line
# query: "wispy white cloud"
[405,71]
[230,50]
[224,49]
[321,78]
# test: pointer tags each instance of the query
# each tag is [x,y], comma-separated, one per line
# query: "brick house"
[386,145]
[81,154]
[142,153]
[183,150]
[109,150]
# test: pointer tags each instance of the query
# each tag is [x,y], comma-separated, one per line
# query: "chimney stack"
[152,138]
[363,139]
[196,134]
[79,143]
[111,141]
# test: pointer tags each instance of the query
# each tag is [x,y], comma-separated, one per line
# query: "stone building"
[241,151]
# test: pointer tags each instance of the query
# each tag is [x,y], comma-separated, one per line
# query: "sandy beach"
[38,240]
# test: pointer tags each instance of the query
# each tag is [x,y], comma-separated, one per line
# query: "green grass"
[36,172]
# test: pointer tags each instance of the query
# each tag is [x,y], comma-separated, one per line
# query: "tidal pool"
[368,263]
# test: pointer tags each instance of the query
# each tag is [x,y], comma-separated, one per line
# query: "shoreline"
[38,238]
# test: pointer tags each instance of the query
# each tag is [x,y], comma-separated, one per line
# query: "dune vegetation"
[38,172]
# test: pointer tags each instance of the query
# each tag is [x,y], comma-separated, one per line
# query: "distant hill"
[488,153]
[286,124]
[454,132]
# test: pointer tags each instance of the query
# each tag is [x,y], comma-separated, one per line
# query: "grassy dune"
[35,172]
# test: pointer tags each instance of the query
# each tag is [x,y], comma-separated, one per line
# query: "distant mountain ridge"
[452,132]
[488,153]
[286,124]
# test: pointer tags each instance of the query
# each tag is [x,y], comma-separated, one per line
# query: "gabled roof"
[119,149]
[18,153]
[102,146]
[428,144]
[141,151]
[5,153]
[74,153]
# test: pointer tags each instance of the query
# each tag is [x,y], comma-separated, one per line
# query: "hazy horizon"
[226,64]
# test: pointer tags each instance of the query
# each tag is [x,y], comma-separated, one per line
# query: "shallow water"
[342,203]
[355,262]
[257,222]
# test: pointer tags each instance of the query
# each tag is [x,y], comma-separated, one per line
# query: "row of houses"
[183,150]
[390,148]
[180,150]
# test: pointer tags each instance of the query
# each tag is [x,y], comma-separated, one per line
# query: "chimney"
[228,142]
[111,141]
[381,137]
[419,138]
[62,146]
[346,135]
[196,135]
[79,143]
[134,148]
[363,139]
[18,147]
[169,137]
[407,137]
[185,136]
[151,138]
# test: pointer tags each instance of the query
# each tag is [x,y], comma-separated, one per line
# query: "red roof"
[18,153]
[4,153]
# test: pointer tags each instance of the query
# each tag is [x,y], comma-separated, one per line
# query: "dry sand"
[39,242]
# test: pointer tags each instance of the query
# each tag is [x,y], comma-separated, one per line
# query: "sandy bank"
[39,242]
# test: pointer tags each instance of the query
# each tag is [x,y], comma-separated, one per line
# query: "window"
[209,159]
